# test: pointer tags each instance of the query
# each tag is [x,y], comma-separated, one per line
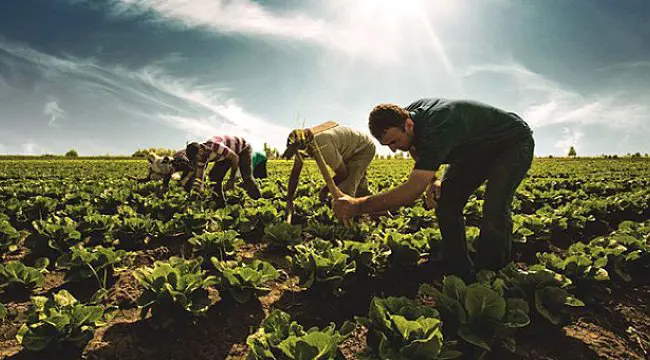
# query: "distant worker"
[259,165]
[227,152]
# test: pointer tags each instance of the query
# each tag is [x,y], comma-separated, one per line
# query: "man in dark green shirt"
[480,143]
[259,165]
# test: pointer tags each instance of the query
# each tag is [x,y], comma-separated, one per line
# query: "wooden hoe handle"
[334,190]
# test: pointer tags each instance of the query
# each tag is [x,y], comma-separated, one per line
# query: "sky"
[113,76]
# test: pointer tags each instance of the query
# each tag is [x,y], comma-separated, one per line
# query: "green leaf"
[466,333]
[36,337]
[454,287]
[64,298]
[549,302]
[482,302]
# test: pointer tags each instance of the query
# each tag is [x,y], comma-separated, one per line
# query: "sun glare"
[406,8]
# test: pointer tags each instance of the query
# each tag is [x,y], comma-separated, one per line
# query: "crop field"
[99,266]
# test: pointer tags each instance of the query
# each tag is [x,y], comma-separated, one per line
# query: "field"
[97,266]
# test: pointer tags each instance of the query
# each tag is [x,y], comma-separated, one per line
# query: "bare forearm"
[293,179]
[401,196]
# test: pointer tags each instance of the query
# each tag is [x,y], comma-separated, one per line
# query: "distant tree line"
[158,151]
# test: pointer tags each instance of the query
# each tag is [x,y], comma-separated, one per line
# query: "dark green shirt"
[453,131]
[258,158]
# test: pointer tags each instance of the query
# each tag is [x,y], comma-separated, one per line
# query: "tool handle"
[334,190]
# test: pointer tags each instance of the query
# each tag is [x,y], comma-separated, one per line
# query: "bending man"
[480,143]
[227,152]
[348,152]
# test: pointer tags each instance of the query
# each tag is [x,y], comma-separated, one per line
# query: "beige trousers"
[356,184]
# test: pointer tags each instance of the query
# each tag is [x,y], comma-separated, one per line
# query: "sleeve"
[437,139]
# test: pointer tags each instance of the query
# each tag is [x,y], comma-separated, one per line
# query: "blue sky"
[111,76]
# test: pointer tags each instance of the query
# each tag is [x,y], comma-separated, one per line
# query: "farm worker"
[479,143]
[167,167]
[227,152]
[259,165]
[348,152]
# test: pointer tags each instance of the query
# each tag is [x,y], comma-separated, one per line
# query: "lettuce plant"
[174,290]
[279,338]
[400,329]
[222,244]
[319,262]
[16,275]
[191,222]
[242,281]
[58,320]
[83,263]
[406,249]
[283,235]
[134,232]
[479,314]
[370,256]
[97,228]
[543,288]
[9,237]
[58,234]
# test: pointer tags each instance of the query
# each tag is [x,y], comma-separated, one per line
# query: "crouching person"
[227,152]
[347,151]
[259,165]
[165,168]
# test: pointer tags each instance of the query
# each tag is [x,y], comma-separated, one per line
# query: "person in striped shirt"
[227,152]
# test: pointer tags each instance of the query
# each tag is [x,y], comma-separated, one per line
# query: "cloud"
[353,29]
[544,102]
[30,148]
[224,16]
[54,112]
[570,137]
[147,93]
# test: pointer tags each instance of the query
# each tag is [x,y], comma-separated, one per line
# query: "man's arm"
[405,194]
[234,162]
[293,178]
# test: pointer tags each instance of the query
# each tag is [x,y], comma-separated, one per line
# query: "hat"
[297,142]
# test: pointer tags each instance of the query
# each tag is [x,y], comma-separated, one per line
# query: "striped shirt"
[218,149]
[219,146]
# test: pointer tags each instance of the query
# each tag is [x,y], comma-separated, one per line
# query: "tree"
[157,151]
[268,151]
[271,153]
[72,153]
[572,152]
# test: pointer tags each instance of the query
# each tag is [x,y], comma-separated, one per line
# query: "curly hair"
[385,116]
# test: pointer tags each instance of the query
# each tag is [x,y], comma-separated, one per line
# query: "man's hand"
[322,194]
[433,193]
[346,207]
